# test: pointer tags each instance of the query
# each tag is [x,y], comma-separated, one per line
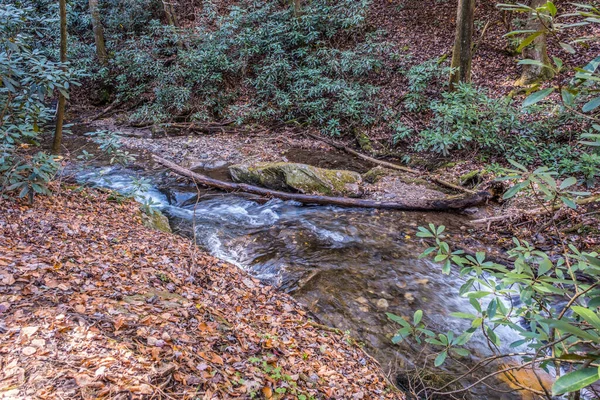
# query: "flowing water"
[348,266]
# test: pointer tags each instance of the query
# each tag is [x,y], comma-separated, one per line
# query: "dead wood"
[535,211]
[447,204]
[394,166]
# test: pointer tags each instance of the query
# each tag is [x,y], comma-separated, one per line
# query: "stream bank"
[95,305]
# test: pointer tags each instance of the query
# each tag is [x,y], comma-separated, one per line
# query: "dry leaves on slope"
[94,305]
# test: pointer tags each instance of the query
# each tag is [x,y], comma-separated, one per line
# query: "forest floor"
[95,305]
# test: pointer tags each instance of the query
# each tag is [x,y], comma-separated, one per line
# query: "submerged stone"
[299,178]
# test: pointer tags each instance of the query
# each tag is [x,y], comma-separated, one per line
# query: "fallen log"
[447,204]
[536,211]
[393,166]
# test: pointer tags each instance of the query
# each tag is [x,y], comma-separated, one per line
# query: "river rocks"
[299,178]
[156,220]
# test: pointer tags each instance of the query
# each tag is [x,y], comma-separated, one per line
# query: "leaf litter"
[95,305]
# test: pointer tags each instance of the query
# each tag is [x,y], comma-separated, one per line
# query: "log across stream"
[445,204]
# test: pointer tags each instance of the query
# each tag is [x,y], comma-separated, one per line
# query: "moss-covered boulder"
[156,220]
[299,178]
[375,174]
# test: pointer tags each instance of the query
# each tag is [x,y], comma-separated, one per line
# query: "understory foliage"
[468,119]
[549,302]
[258,62]
[28,80]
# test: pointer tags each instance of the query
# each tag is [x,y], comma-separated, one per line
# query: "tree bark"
[462,53]
[537,50]
[170,12]
[448,204]
[60,112]
[98,33]
[297,7]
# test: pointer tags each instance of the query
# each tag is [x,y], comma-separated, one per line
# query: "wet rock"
[215,164]
[299,178]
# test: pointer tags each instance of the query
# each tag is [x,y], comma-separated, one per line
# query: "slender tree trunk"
[169,12]
[60,114]
[537,50]
[462,52]
[297,7]
[98,33]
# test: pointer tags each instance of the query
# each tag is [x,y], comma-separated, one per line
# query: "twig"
[392,165]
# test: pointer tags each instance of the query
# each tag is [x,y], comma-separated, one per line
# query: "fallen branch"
[106,111]
[447,204]
[393,166]
[535,211]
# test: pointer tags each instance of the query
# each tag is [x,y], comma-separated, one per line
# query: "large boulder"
[299,178]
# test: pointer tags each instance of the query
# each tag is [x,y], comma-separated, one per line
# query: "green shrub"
[468,118]
[421,77]
[28,79]
[259,62]
[548,301]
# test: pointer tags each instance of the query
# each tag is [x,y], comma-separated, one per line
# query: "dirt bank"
[94,305]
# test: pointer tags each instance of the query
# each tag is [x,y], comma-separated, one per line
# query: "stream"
[347,266]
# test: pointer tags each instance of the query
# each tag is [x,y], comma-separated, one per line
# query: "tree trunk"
[170,12]
[60,112]
[98,33]
[297,7]
[462,51]
[537,50]
[447,204]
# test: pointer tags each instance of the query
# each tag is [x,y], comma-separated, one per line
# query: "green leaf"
[568,97]
[537,63]
[398,319]
[568,182]
[591,105]
[528,40]
[417,316]
[567,47]
[517,165]
[461,352]
[544,266]
[514,190]
[551,8]
[568,202]
[564,326]
[439,360]
[592,260]
[588,315]
[537,97]
[518,343]
[492,308]
[463,315]
[575,380]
